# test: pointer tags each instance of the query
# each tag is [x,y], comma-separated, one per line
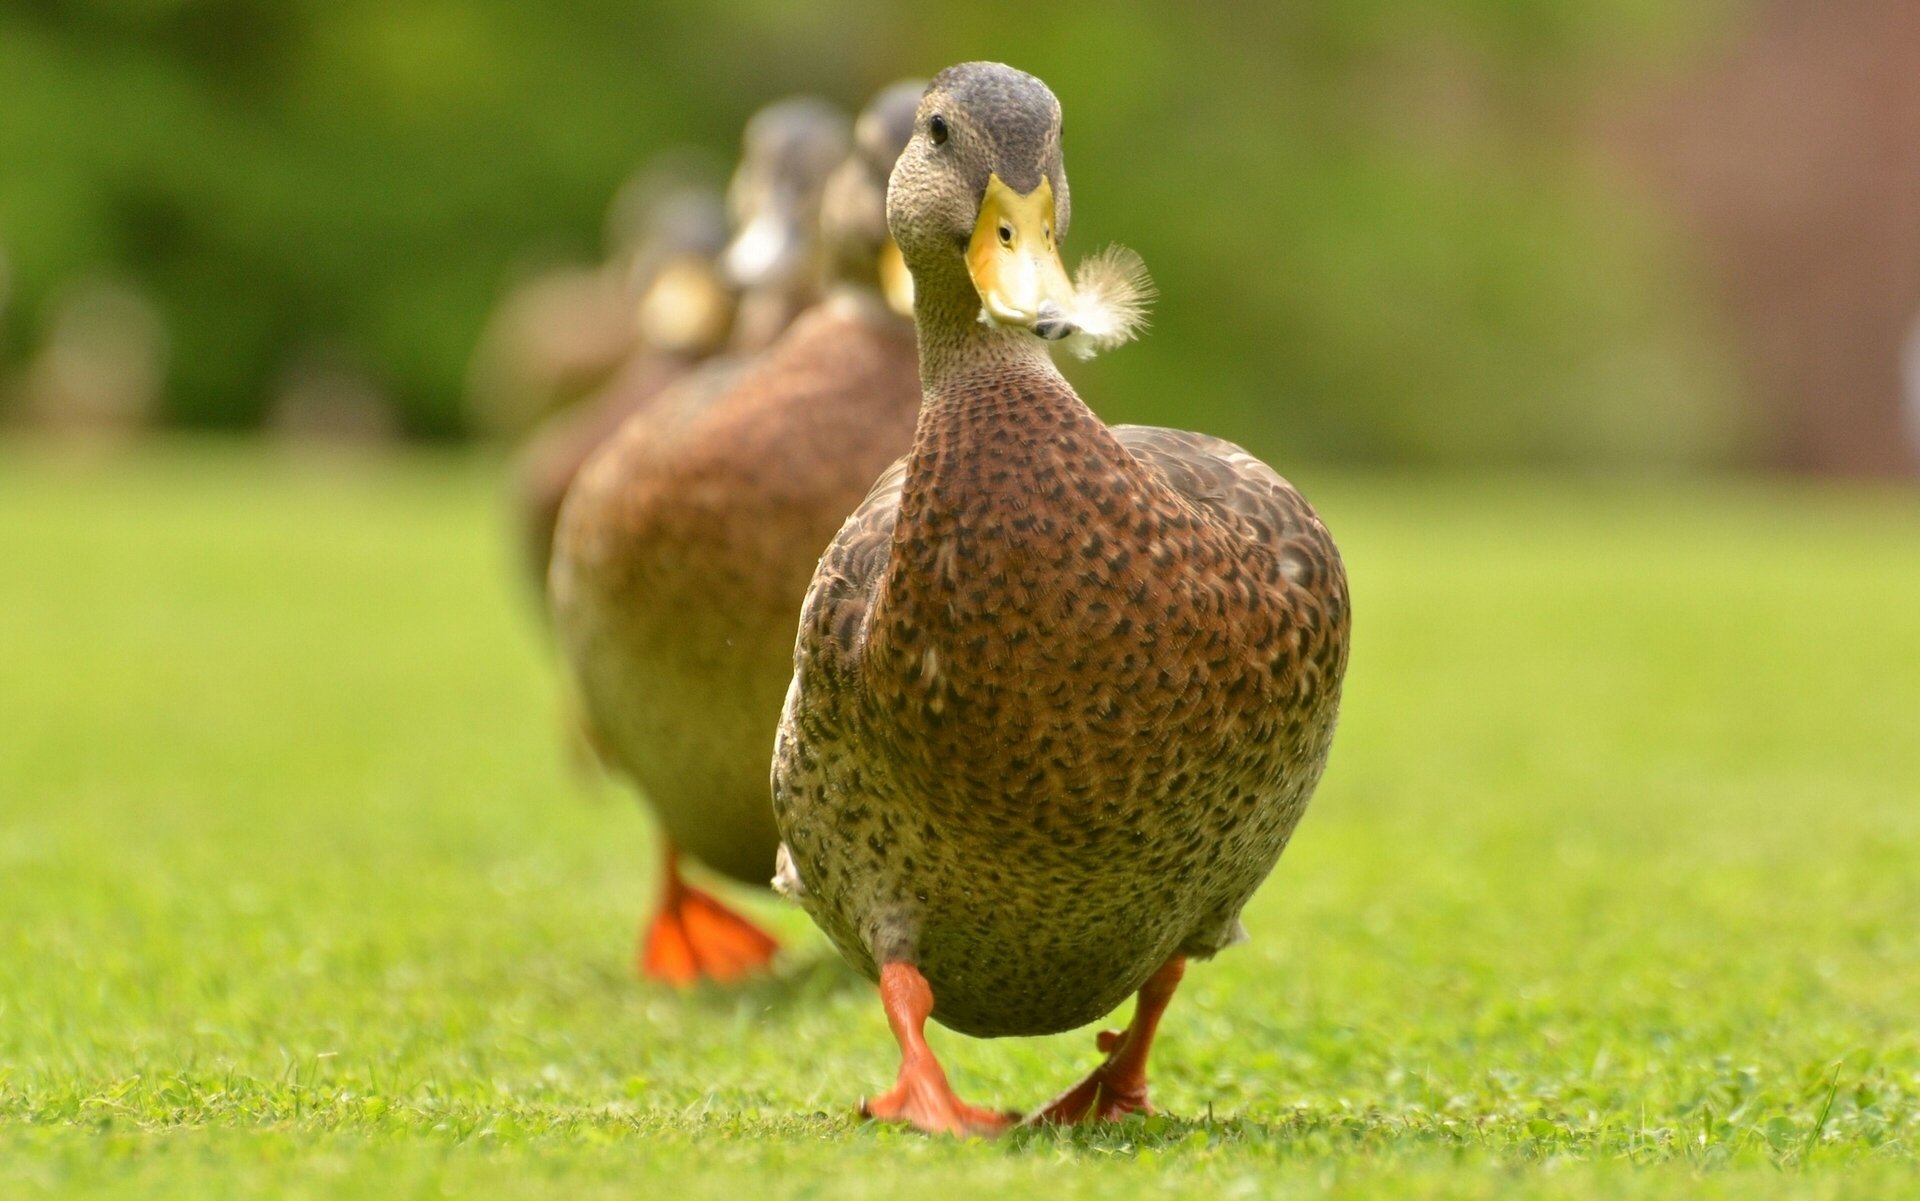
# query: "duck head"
[853,217]
[980,194]
[787,152]
[683,303]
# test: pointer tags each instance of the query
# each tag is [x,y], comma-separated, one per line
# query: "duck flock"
[865,601]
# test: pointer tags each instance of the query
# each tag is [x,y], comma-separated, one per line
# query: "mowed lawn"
[1612,890]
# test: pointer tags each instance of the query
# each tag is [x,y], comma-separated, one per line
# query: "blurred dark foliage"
[1381,230]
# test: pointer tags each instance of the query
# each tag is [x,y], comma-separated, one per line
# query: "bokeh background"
[1565,313]
[1623,233]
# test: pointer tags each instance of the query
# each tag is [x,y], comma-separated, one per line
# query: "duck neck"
[959,353]
[1002,455]
[984,390]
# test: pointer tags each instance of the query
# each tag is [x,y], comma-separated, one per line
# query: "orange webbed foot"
[694,938]
[923,1099]
[1118,1086]
[1108,1094]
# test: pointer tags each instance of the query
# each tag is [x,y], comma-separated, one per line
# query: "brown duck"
[685,547]
[1061,691]
[685,311]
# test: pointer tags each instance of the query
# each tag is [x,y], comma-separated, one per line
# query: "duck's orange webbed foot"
[923,1099]
[921,1096]
[1118,1087]
[694,937]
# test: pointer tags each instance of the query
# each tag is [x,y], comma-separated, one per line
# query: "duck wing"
[833,618]
[825,692]
[1240,492]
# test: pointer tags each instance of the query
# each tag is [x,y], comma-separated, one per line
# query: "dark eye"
[937,129]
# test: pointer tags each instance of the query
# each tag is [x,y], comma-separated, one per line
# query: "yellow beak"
[1014,261]
[685,309]
[896,282]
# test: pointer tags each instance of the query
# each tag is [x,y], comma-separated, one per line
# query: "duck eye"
[1006,235]
[937,129]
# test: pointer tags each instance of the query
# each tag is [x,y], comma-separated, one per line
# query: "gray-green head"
[980,195]
[668,227]
[854,212]
[788,150]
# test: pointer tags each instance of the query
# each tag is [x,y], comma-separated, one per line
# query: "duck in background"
[99,375]
[681,314]
[1061,691]
[774,200]
[558,336]
[685,547]
[689,283]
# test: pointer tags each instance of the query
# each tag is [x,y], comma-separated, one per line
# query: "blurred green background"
[1609,891]
[1394,232]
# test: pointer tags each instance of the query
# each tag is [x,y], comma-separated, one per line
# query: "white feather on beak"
[1111,294]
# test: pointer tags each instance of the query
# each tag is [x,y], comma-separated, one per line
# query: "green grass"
[1613,889]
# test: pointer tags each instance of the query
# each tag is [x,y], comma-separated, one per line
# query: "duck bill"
[896,282]
[686,308]
[1015,263]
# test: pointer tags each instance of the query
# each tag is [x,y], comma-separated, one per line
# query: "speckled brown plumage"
[1061,691]
[1062,695]
[684,551]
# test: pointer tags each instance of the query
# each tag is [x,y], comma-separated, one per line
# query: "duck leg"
[1118,1087]
[694,937]
[922,1095]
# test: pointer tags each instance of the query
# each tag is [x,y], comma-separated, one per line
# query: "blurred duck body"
[685,547]
[681,317]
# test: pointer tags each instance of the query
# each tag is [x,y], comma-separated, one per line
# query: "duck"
[680,318]
[1061,691]
[788,151]
[557,337]
[706,302]
[685,546]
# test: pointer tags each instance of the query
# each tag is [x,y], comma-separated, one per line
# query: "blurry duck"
[558,337]
[685,547]
[685,309]
[774,200]
[1061,690]
[681,314]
